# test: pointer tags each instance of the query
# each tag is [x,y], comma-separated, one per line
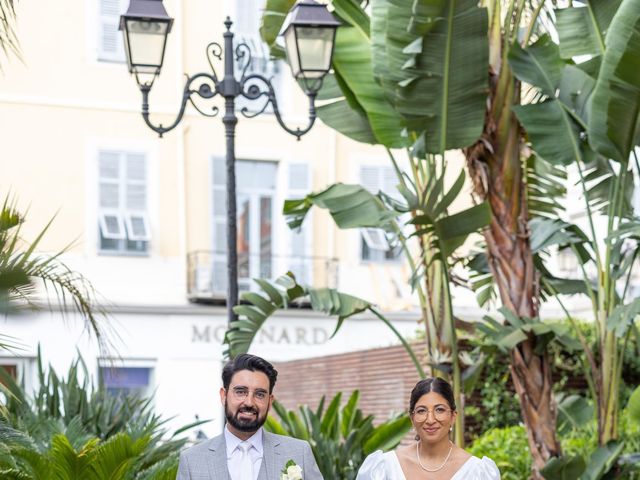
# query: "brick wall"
[384,377]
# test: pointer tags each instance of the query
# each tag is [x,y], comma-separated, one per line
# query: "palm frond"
[8,38]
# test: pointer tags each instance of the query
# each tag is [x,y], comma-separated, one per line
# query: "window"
[255,192]
[123,222]
[127,381]
[247,18]
[110,43]
[20,369]
[374,244]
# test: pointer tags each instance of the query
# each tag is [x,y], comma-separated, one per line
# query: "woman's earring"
[417,437]
[451,428]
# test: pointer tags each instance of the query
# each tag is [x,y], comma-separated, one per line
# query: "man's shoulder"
[283,439]
[202,447]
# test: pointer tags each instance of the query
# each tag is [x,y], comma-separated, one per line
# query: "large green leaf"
[343,118]
[582,28]
[352,60]
[439,80]
[387,435]
[616,98]
[602,460]
[338,107]
[351,206]
[575,91]
[564,468]
[622,317]
[546,187]
[553,134]
[633,405]
[539,64]
[574,411]
[352,13]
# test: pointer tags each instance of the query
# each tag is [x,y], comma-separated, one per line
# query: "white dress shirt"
[234,454]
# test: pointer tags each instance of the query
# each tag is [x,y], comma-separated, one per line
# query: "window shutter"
[300,242]
[375,179]
[110,46]
[370,179]
[112,226]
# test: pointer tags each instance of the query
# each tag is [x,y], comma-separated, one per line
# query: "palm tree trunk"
[496,169]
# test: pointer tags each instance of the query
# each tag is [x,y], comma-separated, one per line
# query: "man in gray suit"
[245,451]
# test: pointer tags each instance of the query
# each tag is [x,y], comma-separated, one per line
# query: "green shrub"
[507,447]
[340,437]
[69,420]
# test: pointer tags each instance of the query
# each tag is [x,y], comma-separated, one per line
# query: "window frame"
[364,232]
[122,212]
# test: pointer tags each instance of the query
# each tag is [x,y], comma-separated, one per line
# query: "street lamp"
[309,33]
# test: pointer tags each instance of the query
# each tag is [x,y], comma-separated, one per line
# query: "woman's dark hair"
[436,385]
[252,363]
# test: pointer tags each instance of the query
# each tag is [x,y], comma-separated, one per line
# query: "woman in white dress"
[433,456]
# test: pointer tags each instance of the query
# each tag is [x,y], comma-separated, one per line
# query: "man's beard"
[245,425]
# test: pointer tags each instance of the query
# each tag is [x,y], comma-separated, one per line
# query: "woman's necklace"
[432,469]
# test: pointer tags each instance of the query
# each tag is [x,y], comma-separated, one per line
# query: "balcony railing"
[207,272]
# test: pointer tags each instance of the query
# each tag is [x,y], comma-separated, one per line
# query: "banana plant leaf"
[582,29]
[339,109]
[362,112]
[574,412]
[436,79]
[539,64]
[546,187]
[622,317]
[575,89]
[615,103]
[352,60]
[601,460]
[553,132]
[279,294]
[351,206]
[385,436]
[633,405]
[564,468]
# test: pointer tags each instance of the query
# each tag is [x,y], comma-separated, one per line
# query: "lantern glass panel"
[315,45]
[146,44]
[292,51]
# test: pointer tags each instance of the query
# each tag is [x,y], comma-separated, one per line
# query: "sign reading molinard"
[271,334]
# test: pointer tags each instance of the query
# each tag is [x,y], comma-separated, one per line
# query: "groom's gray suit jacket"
[208,460]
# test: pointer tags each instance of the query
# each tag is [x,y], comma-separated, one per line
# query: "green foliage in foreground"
[340,436]
[70,429]
[509,449]
[120,457]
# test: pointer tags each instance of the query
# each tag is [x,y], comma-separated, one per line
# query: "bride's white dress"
[385,466]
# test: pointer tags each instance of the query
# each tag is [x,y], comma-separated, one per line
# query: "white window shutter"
[370,178]
[300,242]
[375,238]
[110,44]
[137,227]
[112,226]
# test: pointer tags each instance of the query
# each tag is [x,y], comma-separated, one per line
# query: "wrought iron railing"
[207,274]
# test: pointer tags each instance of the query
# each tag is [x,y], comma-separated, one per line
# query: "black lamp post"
[309,33]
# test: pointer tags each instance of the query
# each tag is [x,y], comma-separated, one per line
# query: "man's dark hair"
[435,384]
[252,363]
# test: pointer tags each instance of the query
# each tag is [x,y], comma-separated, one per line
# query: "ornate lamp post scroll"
[309,33]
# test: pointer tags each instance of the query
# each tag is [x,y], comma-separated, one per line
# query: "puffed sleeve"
[373,467]
[487,470]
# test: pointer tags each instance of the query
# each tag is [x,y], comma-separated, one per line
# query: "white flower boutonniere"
[291,471]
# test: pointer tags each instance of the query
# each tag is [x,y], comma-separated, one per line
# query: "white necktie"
[246,464]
